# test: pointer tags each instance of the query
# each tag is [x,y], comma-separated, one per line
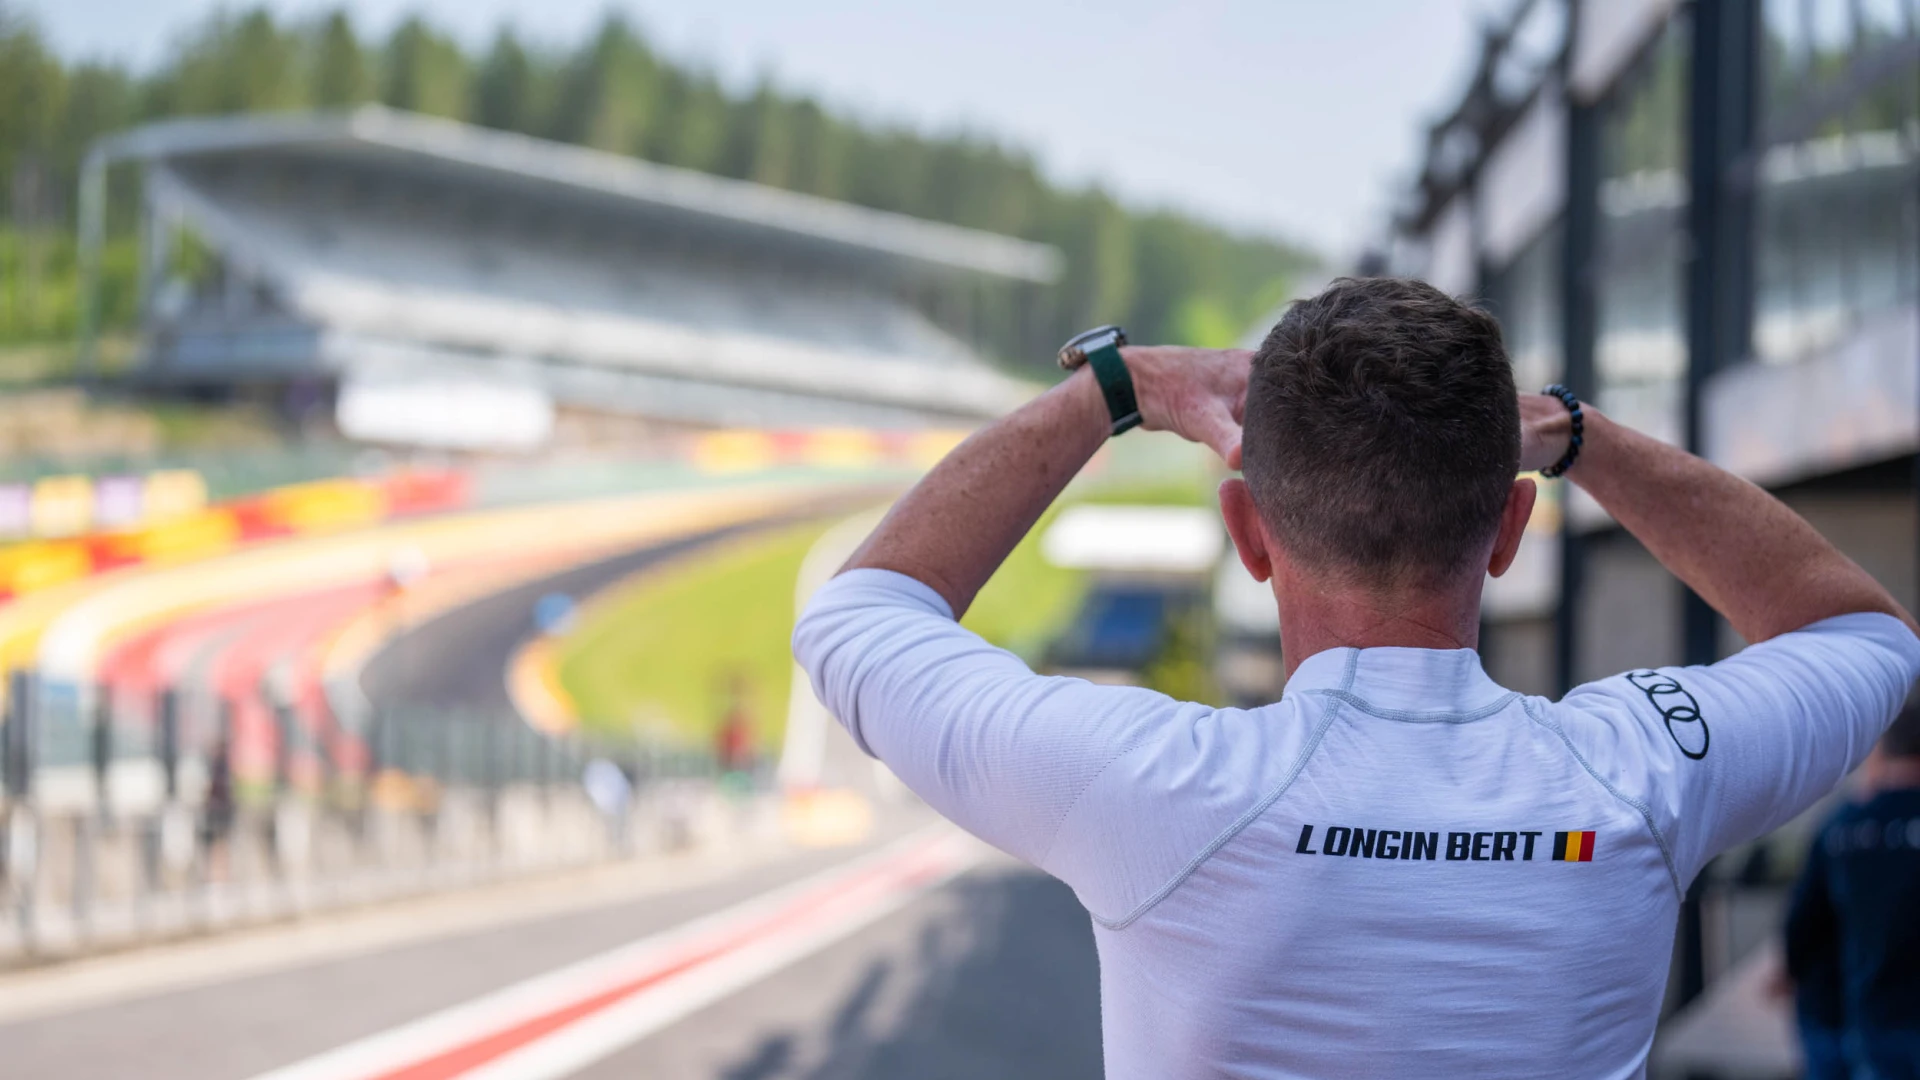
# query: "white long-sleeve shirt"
[1398,869]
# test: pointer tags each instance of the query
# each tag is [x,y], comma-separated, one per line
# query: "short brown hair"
[1382,431]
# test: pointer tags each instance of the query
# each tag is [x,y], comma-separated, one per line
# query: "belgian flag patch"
[1573,846]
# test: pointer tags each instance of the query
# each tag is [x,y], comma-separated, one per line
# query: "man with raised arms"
[1382,438]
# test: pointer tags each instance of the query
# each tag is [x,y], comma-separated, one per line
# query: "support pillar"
[1721,103]
[1720,129]
[1579,285]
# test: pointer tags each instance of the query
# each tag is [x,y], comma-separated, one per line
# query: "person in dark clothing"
[1813,972]
[217,810]
[1853,929]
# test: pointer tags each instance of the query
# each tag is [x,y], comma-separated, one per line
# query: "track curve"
[457,660]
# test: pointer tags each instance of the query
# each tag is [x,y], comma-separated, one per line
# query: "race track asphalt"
[991,975]
[456,661]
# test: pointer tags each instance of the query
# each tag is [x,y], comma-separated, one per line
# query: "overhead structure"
[1704,217]
[424,267]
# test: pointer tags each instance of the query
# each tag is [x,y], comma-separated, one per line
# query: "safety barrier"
[305,509]
[169,840]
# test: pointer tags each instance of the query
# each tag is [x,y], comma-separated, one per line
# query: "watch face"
[1074,352]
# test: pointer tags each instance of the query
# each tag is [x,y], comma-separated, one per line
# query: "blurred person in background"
[733,739]
[217,809]
[1811,981]
[610,790]
[1400,868]
[1853,928]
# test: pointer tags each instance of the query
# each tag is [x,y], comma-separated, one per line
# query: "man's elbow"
[812,634]
[828,645]
[1905,616]
[834,669]
[1828,592]
[1881,602]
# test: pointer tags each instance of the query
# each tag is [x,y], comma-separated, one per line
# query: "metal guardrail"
[117,829]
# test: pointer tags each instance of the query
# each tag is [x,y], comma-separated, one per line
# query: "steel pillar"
[1579,294]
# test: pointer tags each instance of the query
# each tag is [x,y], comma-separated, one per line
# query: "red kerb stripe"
[470,1055]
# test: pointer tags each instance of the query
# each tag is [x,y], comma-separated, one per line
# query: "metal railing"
[126,822]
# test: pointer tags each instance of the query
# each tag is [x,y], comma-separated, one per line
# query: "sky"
[1293,118]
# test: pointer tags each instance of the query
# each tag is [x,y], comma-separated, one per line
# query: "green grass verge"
[658,656]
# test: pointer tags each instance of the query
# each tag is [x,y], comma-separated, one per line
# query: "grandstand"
[424,268]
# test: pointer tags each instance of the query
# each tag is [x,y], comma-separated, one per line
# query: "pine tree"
[610,92]
[504,94]
[425,72]
[32,95]
[765,145]
[339,66]
[819,146]
[243,63]
[695,122]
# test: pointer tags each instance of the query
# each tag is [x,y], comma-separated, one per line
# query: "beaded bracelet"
[1567,398]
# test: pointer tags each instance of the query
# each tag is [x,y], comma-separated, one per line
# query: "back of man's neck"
[1313,621]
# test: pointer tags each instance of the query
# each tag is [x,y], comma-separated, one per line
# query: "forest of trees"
[1163,274]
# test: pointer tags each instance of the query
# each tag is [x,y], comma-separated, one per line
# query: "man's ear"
[1246,528]
[1513,525]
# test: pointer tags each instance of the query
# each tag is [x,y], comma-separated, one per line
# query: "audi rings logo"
[1678,710]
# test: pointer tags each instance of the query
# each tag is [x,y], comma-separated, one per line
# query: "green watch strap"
[1116,385]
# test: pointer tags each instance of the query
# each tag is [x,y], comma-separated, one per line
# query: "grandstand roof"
[445,150]
[401,253]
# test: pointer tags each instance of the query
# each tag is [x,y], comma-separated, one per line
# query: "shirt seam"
[1061,821]
[1638,805]
[1413,716]
[1239,825]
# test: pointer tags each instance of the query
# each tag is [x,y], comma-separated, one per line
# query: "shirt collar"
[1413,680]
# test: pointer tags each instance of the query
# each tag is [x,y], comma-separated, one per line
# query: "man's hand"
[1198,394]
[1546,427]
[958,523]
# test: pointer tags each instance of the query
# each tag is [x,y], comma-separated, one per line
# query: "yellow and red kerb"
[1573,846]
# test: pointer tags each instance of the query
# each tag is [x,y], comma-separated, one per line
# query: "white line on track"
[555,1024]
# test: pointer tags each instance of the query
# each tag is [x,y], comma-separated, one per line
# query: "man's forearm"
[1750,557]
[959,523]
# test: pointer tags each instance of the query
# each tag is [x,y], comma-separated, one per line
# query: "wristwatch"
[1100,347]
